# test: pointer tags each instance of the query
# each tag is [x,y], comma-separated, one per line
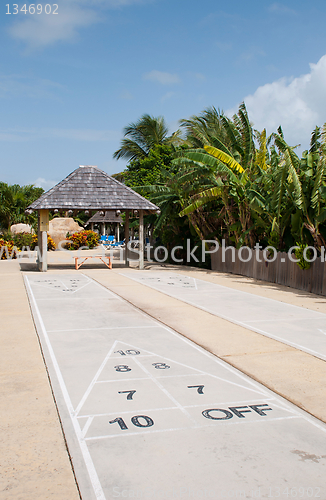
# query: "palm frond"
[319,176]
[204,197]
[130,150]
[215,141]
[247,135]
[279,187]
[299,196]
[225,158]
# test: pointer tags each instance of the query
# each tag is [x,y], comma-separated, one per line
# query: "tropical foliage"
[225,180]
[150,169]
[140,137]
[14,200]
[88,239]
[12,245]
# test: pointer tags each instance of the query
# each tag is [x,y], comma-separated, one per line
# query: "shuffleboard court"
[296,326]
[148,414]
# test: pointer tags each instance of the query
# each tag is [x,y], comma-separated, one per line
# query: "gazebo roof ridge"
[90,188]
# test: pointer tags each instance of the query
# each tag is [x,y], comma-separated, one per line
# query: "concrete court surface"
[34,464]
[301,328]
[146,412]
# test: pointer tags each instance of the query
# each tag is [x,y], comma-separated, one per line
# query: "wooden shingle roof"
[89,188]
[108,216]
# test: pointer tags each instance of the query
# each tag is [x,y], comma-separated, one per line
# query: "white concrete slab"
[148,414]
[301,328]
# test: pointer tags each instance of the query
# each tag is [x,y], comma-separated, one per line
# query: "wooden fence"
[281,271]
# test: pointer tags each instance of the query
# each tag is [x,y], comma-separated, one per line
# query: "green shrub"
[85,238]
[302,263]
[20,241]
[51,244]
[6,235]
[24,240]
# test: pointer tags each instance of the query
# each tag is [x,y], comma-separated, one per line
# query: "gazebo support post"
[141,239]
[42,240]
[127,239]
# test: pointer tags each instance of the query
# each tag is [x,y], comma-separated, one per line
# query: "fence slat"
[282,270]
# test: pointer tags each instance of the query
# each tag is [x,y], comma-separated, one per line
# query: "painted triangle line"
[100,328]
[87,425]
[200,372]
[146,378]
[62,284]
[140,432]
[165,391]
[167,359]
[128,412]
[97,374]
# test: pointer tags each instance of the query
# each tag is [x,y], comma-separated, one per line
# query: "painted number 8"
[161,366]
[122,368]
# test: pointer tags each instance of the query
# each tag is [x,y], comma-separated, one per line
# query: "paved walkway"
[34,462]
[180,394]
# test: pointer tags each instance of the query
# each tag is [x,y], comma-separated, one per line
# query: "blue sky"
[70,82]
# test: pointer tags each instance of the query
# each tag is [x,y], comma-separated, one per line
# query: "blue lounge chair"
[118,244]
[107,240]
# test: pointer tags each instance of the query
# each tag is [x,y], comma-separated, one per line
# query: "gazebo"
[107,217]
[90,189]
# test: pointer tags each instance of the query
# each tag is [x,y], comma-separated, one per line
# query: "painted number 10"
[146,422]
[131,352]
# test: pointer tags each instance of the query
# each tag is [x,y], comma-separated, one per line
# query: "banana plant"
[302,182]
[231,165]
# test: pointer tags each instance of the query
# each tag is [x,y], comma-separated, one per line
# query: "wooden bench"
[101,257]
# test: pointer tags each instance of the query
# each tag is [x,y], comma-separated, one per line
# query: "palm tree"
[207,128]
[141,136]
[14,199]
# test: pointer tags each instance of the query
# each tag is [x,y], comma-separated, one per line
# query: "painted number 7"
[130,393]
[200,388]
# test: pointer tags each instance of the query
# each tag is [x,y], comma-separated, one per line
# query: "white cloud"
[297,104]
[223,46]
[83,134]
[126,95]
[200,77]
[17,85]
[110,3]
[280,8]
[43,183]
[167,96]
[41,30]
[86,135]
[38,31]
[162,77]
[252,53]
[173,126]
[8,137]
